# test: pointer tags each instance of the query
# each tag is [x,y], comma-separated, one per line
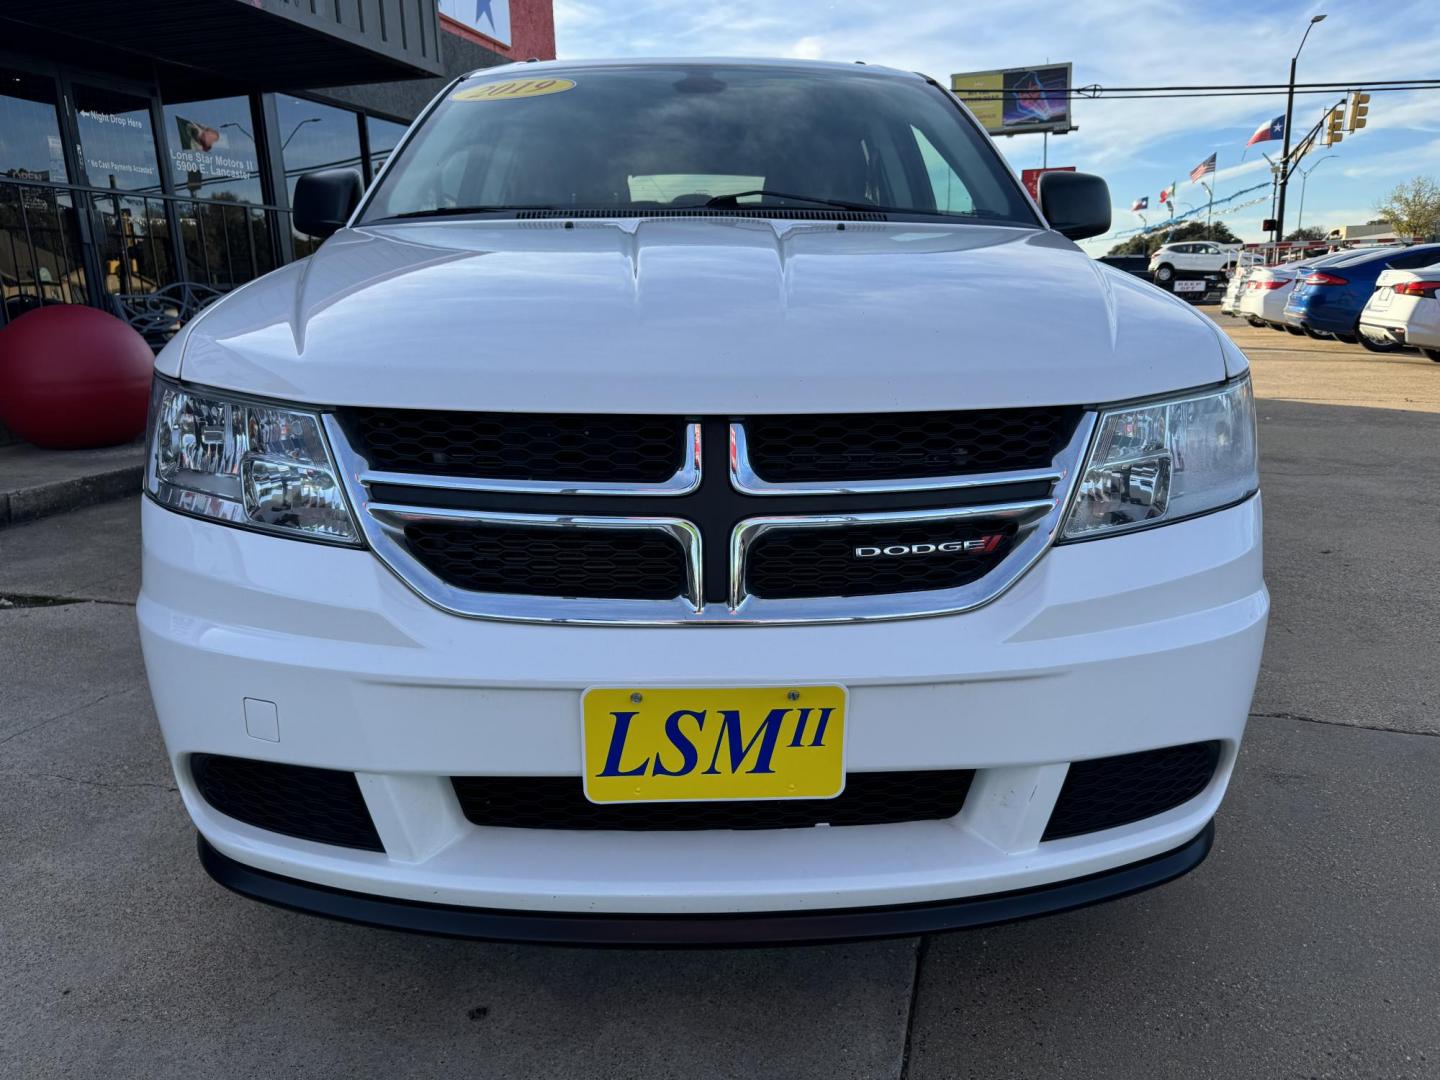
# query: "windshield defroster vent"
[772,212]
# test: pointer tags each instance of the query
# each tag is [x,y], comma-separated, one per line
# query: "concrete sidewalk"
[36,483]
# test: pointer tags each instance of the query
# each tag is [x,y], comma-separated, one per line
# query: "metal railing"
[139,242]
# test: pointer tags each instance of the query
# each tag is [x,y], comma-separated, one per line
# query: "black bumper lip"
[641,929]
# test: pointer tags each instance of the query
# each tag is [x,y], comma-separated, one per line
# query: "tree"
[1146,244]
[1413,208]
[1309,232]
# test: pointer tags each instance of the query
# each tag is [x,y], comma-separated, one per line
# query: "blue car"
[1327,300]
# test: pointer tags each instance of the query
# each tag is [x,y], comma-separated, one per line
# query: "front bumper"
[1103,648]
[649,930]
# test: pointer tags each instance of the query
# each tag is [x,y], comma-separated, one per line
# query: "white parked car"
[1235,290]
[1200,256]
[1266,290]
[1405,309]
[656,515]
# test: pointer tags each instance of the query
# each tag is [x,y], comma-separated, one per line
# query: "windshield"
[670,137]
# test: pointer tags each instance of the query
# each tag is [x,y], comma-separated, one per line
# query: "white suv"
[656,514]
[1197,257]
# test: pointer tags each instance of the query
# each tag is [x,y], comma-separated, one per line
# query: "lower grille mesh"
[324,805]
[1108,792]
[558,802]
[614,564]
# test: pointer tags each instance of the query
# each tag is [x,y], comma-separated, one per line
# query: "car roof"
[1389,251]
[1328,259]
[857,67]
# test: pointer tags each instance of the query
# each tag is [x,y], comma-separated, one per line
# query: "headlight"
[1166,460]
[244,463]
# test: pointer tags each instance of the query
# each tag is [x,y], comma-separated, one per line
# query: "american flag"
[1204,168]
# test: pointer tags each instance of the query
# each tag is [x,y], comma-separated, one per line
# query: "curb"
[56,497]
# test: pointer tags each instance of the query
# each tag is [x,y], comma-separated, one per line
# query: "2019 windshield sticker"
[513,89]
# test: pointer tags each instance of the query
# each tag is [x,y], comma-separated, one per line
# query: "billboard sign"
[1015,100]
[488,17]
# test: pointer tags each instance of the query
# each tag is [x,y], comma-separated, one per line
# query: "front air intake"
[324,805]
[1108,792]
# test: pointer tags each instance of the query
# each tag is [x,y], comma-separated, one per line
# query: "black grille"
[797,563]
[558,802]
[1107,792]
[888,446]
[519,446]
[313,804]
[613,564]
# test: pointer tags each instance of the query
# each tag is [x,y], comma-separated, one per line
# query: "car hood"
[690,316]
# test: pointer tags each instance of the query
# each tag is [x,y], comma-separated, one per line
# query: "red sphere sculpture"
[73,377]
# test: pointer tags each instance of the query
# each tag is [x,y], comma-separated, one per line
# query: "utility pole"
[1285,152]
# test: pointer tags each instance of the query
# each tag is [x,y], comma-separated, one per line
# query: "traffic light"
[1359,109]
[1334,126]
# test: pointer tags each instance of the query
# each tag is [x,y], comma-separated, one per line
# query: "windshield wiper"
[453,211]
[734,198]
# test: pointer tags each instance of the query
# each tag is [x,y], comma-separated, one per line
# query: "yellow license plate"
[676,745]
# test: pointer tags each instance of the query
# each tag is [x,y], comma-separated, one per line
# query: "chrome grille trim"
[388,539]
[686,479]
[1039,522]
[743,477]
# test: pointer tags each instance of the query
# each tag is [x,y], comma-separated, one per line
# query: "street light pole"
[1305,179]
[297,127]
[1285,152]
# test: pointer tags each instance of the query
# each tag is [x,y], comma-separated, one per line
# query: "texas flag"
[1275,129]
[1142,203]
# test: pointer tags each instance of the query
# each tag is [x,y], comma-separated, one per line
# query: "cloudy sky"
[1138,146]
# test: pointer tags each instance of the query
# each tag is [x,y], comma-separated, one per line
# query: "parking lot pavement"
[1304,947]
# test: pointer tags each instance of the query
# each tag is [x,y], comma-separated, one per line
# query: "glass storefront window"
[117,139]
[314,136]
[41,261]
[383,135]
[212,149]
[30,144]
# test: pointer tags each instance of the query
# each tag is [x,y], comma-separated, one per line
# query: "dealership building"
[154,144]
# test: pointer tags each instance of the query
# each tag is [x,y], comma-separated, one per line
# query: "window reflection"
[116,139]
[30,144]
[314,136]
[41,261]
[212,149]
[383,136]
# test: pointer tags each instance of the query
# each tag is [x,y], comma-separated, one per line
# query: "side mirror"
[325,200]
[1076,204]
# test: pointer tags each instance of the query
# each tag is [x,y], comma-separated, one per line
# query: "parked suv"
[657,514]
[1199,257]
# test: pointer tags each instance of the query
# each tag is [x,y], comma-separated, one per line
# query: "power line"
[1095,92]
